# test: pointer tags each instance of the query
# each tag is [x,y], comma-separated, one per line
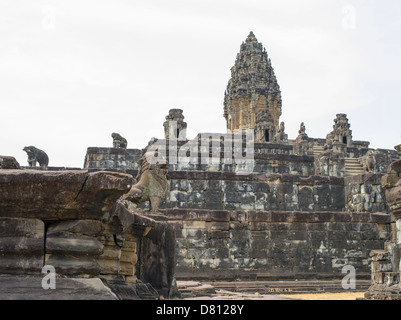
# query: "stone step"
[317,150]
[353,167]
[357,168]
[353,162]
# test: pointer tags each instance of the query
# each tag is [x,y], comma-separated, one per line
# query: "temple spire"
[252,88]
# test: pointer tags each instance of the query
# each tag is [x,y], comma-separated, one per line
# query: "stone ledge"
[245,275]
[60,195]
[30,288]
[367,178]
[276,216]
[100,150]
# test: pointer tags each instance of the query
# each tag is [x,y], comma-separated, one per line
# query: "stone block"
[73,266]
[259,216]
[219,226]
[258,226]
[7,162]
[220,216]
[109,261]
[194,224]
[60,195]
[204,215]
[22,244]
[69,245]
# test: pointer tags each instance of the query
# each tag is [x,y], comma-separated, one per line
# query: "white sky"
[72,72]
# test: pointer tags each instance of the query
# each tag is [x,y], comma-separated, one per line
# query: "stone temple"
[246,206]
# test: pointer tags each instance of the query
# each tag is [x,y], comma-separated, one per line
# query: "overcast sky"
[72,72]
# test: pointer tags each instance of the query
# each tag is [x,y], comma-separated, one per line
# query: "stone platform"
[261,290]
[73,222]
[224,245]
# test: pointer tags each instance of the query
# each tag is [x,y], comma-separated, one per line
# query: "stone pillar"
[157,258]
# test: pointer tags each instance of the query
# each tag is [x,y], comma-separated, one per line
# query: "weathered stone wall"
[229,191]
[356,152]
[385,263]
[330,163]
[377,161]
[268,158]
[220,190]
[229,245]
[112,158]
[364,193]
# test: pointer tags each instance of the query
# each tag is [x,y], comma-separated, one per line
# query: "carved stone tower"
[253,87]
[341,131]
[174,126]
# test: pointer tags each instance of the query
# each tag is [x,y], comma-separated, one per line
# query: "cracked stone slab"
[60,195]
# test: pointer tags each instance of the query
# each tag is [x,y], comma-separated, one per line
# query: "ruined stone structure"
[303,146]
[281,136]
[265,129]
[386,263]
[253,86]
[174,126]
[7,162]
[248,204]
[309,206]
[119,141]
[72,222]
[341,132]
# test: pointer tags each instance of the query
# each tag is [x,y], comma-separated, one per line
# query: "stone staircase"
[353,167]
[317,150]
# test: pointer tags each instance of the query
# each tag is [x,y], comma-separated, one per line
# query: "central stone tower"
[253,92]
